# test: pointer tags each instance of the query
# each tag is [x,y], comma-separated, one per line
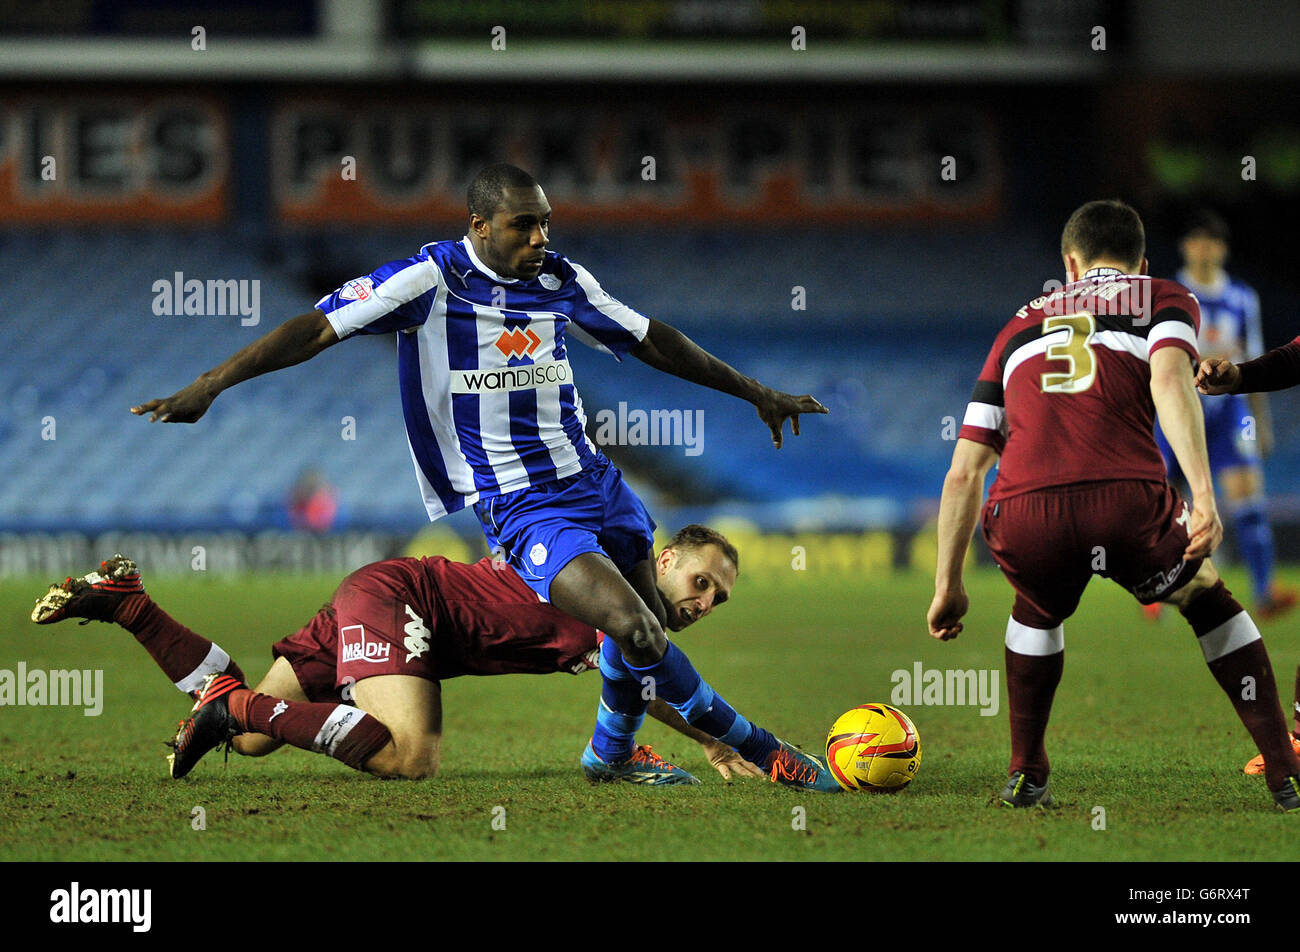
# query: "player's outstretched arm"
[1217,376]
[723,758]
[963,491]
[668,349]
[1174,392]
[297,339]
[1278,369]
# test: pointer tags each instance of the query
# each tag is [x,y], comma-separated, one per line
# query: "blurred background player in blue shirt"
[1238,427]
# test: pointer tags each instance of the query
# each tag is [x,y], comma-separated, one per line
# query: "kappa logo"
[1156,586]
[358,290]
[588,662]
[518,343]
[280,708]
[356,647]
[1185,520]
[417,635]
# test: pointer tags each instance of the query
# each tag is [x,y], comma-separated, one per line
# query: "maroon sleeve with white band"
[1065,393]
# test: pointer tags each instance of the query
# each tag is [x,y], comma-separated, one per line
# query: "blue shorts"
[1226,418]
[541,529]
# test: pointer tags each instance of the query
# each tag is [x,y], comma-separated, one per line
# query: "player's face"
[693,582]
[514,240]
[1203,254]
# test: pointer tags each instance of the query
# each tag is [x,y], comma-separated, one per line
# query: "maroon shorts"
[1049,543]
[366,629]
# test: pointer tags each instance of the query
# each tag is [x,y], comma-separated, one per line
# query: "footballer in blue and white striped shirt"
[494,420]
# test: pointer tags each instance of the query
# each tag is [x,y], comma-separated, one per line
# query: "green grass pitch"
[1140,730]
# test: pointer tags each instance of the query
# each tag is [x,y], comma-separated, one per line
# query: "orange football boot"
[1256,766]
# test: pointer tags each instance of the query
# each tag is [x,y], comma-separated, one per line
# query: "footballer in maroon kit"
[1067,400]
[1278,369]
[360,682]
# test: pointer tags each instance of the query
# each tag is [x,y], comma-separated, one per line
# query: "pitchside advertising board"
[972,21]
[157,156]
[694,160]
[114,158]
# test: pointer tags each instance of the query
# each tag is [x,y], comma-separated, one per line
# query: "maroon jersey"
[1276,370]
[493,623]
[1065,394]
[457,618]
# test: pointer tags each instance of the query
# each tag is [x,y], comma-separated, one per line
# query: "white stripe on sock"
[216,662]
[1035,641]
[1237,632]
[336,727]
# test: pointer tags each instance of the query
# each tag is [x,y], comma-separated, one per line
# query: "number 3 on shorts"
[1075,348]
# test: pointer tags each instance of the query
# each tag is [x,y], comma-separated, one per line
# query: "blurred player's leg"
[1244,496]
[1235,654]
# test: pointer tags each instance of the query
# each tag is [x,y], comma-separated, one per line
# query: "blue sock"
[1255,541]
[678,683]
[622,707]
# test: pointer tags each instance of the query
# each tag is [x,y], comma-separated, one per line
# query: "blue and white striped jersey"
[1230,324]
[487,391]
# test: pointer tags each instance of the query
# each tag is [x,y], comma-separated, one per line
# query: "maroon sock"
[1031,686]
[1238,660]
[184,656]
[340,731]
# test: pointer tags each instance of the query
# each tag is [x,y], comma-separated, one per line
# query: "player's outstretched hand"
[727,761]
[1206,531]
[183,406]
[774,406]
[946,612]
[1217,376]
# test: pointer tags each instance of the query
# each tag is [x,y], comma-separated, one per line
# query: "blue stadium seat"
[891,339]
